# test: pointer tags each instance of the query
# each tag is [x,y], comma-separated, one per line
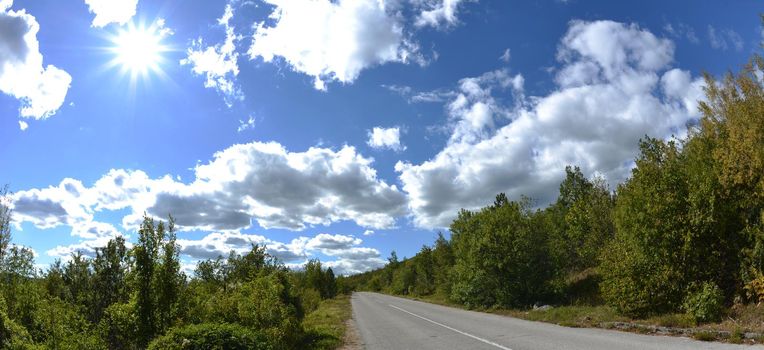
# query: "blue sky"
[341,130]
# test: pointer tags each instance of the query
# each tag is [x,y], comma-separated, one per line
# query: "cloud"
[412,96]
[351,267]
[40,89]
[222,243]
[328,242]
[255,181]
[86,248]
[332,41]
[93,235]
[111,11]
[505,56]
[51,207]
[681,30]
[723,39]
[351,258]
[614,86]
[472,110]
[438,13]
[246,125]
[218,63]
[386,138]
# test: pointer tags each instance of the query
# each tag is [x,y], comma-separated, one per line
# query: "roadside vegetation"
[680,243]
[326,326]
[138,297]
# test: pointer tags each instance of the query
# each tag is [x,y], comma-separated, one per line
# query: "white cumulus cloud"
[332,40]
[438,13]
[382,138]
[615,85]
[218,63]
[40,89]
[256,181]
[111,11]
[349,256]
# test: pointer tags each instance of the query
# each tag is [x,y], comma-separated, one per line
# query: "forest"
[684,233]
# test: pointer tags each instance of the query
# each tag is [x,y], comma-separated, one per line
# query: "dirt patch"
[352,340]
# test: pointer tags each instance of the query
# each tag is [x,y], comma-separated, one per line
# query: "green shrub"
[211,336]
[704,336]
[705,304]
[311,298]
[119,326]
[737,336]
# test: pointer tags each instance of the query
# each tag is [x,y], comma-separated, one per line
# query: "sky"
[341,130]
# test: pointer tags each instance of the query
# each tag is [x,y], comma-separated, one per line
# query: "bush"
[266,304]
[705,304]
[119,326]
[211,336]
[311,298]
[634,284]
[13,335]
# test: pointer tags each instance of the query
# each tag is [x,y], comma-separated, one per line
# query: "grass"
[704,336]
[325,327]
[570,316]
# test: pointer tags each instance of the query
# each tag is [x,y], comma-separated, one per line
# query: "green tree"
[424,270]
[78,278]
[501,256]
[330,283]
[443,259]
[109,271]
[5,224]
[643,268]
[157,277]
[169,280]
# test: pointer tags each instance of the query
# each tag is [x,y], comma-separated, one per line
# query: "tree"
[330,283]
[157,277]
[732,127]
[643,267]
[424,271]
[589,225]
[5,224]
[78,278]
[443,258]
[169,279]
[109,271]
[145,253]
[501,257]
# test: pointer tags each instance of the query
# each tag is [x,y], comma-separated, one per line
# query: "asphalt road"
[386,322]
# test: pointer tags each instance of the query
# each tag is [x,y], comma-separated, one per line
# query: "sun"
[138,49]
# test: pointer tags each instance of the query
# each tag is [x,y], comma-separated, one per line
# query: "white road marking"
[453,329]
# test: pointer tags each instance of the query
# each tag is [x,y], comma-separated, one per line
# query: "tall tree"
[109,271]
[169,278]
[443,258]
[78,279]
[146,253]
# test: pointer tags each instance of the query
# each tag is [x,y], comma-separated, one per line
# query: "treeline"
[685,233]
[140,298]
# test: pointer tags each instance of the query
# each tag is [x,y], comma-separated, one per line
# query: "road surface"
[385,323]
